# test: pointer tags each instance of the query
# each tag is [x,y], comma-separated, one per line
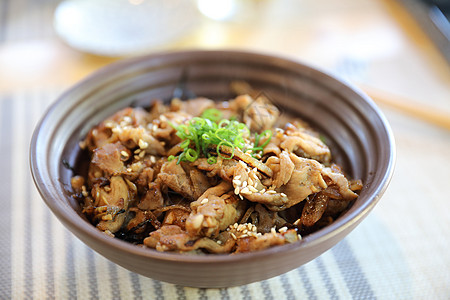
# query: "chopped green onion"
[202,134]
[212,114]
[212,160]
[191,155]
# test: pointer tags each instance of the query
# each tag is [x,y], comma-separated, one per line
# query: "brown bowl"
[360,138]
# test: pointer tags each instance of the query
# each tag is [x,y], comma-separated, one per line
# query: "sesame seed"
[137,151]
[163,118]
[204,201]
[142,144]
[142,154]
[237,182]
[236,190]
[250,181]
[244,231]
[283,195]
[129,170]
[283,229]
[255,169]
[243,236]
[219,242]
[237,177]
[272,230]
[154,127]
[124,153]
[152,159]
[297,222]
[252,189]
[299,237]
[136,157]
[262,191]
[233,236]
[197,221]
[235,225]
[127,119]
[249,226]
[109,124]
[116,130]
[245,191]
[242,164]
[244,184]
[271,192]
[240,196]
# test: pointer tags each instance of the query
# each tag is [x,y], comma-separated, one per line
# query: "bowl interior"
[355,129]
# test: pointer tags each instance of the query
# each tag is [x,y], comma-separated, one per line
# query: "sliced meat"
[173,238]
[247,159]
[306,179]
[157,108]
[162,127]
[173,176]
[258,114]
[140,137]
[305,144]
[314,208]
[111,202]
[177,217]
[282,168]
[224,168]
[193,107]
[274,201]
[340,181]
[169,238]
[199,181]
[137,224]
[153,198]
[265,241]
[109,159]
[211,215]
[184,179]
[266,220]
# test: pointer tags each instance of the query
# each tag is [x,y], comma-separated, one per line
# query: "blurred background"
[365,40]
[395,50]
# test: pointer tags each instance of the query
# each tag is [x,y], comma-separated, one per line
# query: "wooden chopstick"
[413,108]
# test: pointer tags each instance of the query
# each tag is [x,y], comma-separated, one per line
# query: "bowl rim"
[72,219]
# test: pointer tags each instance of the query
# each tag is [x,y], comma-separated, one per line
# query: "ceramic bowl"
[357,131]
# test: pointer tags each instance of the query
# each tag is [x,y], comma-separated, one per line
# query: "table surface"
[400,251]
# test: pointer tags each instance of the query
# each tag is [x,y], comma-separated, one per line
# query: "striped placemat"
[40,259]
